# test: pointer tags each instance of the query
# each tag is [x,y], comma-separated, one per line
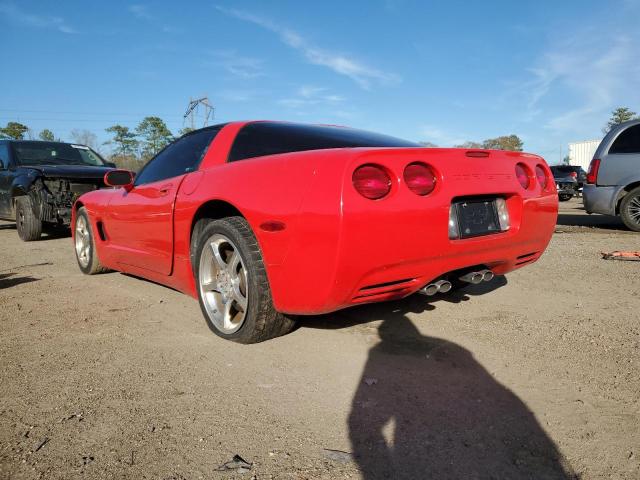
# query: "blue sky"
[445,71]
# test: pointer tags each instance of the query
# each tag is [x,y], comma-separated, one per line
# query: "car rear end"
[410,218]
[614,170]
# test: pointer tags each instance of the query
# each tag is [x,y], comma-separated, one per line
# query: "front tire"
[28,225]
[232,284]
[630,210]
[85,245]
[565,197]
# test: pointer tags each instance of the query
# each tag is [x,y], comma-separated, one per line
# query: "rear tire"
[85,245]
[233,289]
[630,210]
[28,225]
[565,198]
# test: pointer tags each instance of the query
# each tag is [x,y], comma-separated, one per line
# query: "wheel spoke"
[210,286]
[217,255]
[240,299]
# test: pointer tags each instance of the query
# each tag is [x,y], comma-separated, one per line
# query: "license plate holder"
[477,217]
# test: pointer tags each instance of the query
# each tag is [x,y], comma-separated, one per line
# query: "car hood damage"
[57,187]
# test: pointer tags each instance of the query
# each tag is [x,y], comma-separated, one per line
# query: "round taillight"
[371,181]
[541,175]
[523,175]
[419,178]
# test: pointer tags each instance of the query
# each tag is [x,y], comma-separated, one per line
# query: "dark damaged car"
[39,181]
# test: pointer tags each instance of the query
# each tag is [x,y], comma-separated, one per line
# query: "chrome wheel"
[223,284]
[634,210]
[83,241]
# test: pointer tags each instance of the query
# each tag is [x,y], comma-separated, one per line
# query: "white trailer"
[581,153]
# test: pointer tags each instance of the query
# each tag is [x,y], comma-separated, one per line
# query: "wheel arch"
[623,192]
[214,209]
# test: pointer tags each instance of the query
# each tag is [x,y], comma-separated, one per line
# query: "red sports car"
[262,221]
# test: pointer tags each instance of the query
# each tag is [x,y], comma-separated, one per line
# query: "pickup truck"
[39,181]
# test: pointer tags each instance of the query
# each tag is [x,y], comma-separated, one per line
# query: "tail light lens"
[371,181]
[522,175]
[541,175]
[592,174]
[420,178]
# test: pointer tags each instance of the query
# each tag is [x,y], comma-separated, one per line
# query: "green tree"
[185,130]
[154,136]
[46,135]
[506,142]
[619,115]
[124,140]
[14,130]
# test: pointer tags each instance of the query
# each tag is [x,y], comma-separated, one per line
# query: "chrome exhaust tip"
[441,286]
[444,286]
[487,275]
[429,290]
[472,277]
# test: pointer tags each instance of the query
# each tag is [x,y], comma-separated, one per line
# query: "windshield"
[54,153]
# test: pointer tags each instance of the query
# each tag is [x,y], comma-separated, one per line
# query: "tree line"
[130,148]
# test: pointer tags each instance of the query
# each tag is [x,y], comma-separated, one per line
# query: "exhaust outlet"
[472,277]
[477,277]
[441,286]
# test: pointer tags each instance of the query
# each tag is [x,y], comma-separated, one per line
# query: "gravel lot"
[533,376]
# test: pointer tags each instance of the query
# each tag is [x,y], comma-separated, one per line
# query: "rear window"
[265,138]
[628,141]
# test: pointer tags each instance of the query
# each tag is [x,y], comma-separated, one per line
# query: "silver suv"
[613,180]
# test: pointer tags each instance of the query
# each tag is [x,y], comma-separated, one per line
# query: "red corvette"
[264,220]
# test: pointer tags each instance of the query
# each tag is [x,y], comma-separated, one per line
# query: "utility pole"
[193,109]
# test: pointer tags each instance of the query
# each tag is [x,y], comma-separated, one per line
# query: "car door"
[6,178]
[139,222]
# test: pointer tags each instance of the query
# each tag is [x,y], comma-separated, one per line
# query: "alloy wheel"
[223,284]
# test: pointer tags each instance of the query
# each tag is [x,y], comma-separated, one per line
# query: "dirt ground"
[533,376]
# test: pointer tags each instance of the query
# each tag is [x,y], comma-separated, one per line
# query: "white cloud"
[308,96]
[237,65]
[592,72]
[20,17]
[357,71]
[441,137]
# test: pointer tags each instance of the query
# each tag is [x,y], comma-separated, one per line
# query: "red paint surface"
[336,242]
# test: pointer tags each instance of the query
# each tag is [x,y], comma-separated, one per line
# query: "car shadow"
[567,218]
[8,280]
[415,303]
[7,226]
[425,408]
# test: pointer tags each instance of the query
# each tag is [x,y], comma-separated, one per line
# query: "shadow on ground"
[425,408]
[576,216]
[8,280]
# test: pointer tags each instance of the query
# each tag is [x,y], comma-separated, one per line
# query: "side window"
[628,141]
[4,156]
[180,157]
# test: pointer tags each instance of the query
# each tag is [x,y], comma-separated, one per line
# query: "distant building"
[581,153]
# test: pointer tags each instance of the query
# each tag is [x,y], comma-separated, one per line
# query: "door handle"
[165,189]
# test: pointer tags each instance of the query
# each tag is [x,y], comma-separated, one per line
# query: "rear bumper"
[598,199]
[392,255]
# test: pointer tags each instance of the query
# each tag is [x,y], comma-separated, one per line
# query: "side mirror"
[119,178]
